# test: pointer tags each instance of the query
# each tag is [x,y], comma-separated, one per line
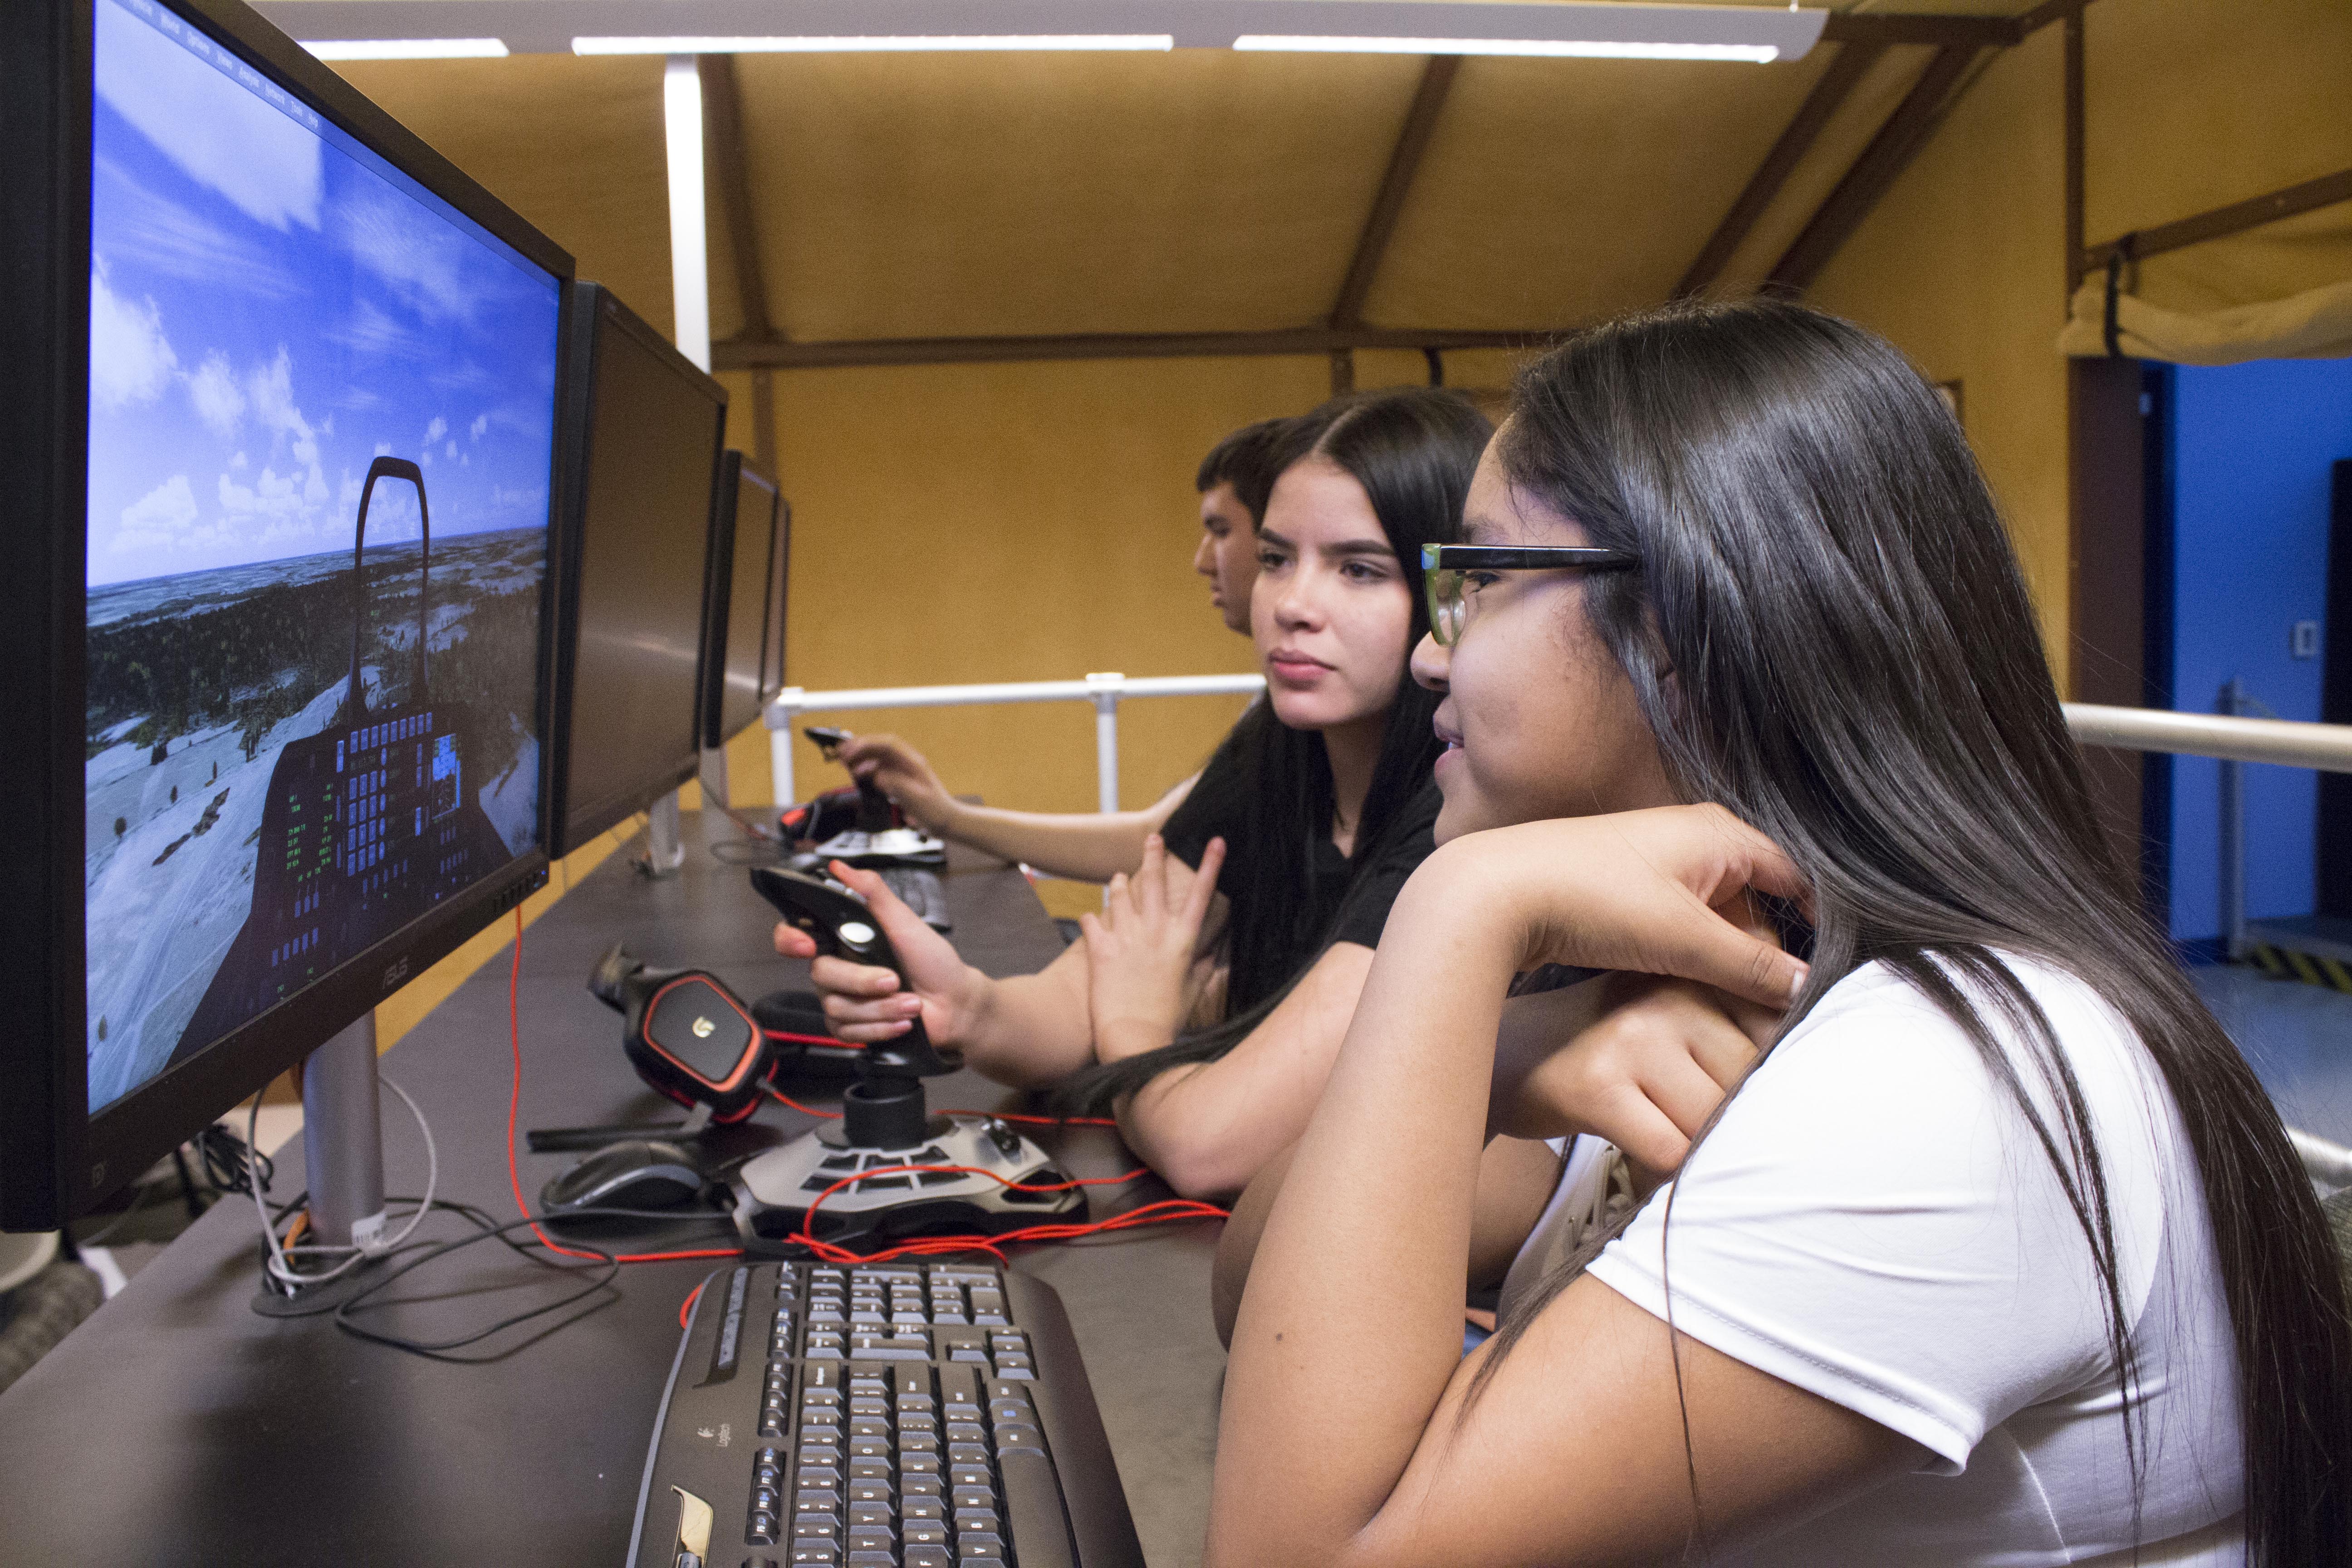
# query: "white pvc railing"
[2286,741]
[1106,691]
[2328,747]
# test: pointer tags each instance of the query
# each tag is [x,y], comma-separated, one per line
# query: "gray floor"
[2298,1037]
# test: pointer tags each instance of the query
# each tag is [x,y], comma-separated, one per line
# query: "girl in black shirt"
[1307,820]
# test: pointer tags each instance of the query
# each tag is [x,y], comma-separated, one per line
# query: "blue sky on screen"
[270,312]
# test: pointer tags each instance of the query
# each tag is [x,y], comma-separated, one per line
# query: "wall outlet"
[2303,639]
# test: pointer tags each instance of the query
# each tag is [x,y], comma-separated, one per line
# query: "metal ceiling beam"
[722,120]
[1831,92]
[1936,31]
[1888,154]
[2325,191]
[737,355]
[1387,204]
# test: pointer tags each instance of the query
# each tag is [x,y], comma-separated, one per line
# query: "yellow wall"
[1010,522]
[2190,105]
[1962,266]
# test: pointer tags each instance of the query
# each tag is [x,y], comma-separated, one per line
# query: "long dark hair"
[1855,670]
[1412,450]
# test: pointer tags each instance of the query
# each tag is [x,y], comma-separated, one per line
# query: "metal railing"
[2286,741]
[2328,747]
[1106,690]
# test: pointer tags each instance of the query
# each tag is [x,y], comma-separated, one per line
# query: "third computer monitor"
[747,575]
[645,434]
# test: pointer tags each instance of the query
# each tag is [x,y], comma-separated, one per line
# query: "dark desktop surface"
[178,1426]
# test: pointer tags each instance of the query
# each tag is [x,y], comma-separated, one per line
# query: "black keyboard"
[933,1415]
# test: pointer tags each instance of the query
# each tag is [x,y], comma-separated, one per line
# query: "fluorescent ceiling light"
[1581,49]
[407,48]
[750,46]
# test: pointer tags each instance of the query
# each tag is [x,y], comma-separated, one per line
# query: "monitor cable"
[280,1263]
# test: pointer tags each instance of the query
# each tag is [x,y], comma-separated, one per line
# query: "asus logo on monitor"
[395,975]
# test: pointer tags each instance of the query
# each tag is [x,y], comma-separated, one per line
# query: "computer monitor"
[644,431]
[281,412]
[746,574]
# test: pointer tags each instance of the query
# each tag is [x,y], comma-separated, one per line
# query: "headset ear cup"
[693,1041]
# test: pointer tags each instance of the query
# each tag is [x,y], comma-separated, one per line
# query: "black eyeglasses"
[1444,566]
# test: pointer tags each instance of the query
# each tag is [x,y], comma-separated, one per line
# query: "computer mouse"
[640,1174]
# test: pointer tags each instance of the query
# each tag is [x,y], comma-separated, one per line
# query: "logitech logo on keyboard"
[724,1432]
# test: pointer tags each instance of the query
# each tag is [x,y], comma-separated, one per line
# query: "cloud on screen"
[225,138]
[130,359]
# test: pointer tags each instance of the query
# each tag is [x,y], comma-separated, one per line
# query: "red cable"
[687,1306]
[1163,1212]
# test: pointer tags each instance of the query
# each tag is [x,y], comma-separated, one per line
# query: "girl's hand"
[1143,951]
[903,774]
[1655,892]
[864,1001]
[1640,1061]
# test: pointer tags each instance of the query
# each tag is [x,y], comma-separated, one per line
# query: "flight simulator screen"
[321,415]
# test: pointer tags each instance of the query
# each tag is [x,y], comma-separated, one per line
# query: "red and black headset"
[686,1034]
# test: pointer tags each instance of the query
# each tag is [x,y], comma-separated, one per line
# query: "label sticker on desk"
[730,1329]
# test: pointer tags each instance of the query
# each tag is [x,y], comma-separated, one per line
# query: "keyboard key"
[816,1527]
[815,1555]
[976,1521]
[869,1513]
[927,1557]
[815,1499]
[1015,1437]
[974,1496]
[1033,1506]
[819,1377]
[872,1538]
[924,1533]
[980,1544]
[923,1507]
[763,1531]
[963,1477]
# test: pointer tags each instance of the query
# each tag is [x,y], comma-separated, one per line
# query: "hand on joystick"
[866,1003]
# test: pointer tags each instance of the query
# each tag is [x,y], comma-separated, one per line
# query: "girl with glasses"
[1997,1255]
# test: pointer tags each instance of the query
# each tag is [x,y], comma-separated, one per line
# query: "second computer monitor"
[746,578]
[645,438]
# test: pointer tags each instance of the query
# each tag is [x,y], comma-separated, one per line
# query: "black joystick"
[886,1123]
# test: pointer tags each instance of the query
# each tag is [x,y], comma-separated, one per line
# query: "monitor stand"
[342,1156]
[664,848]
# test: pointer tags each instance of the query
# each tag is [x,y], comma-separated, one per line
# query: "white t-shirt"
[1873,1222]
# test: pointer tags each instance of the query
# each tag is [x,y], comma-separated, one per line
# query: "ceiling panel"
[947,195]
[1859,118]
[1558,190]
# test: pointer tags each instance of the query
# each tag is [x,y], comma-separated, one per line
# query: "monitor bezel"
[585,304]
[772,664]
[718,616]
[56,1158]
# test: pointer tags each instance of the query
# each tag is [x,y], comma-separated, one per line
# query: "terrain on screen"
[196,685]
[286,333]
